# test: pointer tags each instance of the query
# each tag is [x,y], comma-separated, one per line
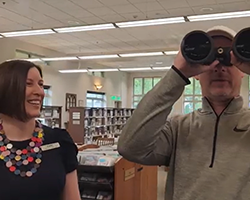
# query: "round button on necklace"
[22,162]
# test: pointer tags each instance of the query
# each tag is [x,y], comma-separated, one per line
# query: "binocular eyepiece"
[198,47]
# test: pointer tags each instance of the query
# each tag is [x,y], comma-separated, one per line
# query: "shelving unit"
[51,116]
[86,125]
[114,179]
[96,182]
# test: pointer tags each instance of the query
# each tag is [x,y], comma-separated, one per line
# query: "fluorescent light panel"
[27,33]
[33,59]
[103,70]
[115,69]
[136,69]
[170,53]
[172,20]
[228,15]
[73,71]
[60,58]
[98,57]
[84,28]
[141,54]
[160,68]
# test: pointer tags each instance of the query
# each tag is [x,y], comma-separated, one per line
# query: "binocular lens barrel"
[196,47]
[241,45]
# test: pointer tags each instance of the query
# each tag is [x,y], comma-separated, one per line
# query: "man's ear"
[197,77]
[242,75]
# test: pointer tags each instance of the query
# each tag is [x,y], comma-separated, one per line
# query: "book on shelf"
[51,116]
[96,123]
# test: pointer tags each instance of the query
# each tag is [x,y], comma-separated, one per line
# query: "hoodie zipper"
[216,132]
[215,140]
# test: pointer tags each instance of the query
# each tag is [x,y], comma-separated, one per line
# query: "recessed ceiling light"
[206,9]
[73,23]
[158,63]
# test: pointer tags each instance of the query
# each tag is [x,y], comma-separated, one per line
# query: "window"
[141,86]
[47,101]
[27,55]
[96,99]
[192,96]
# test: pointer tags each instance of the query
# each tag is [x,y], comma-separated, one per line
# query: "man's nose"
[220,68]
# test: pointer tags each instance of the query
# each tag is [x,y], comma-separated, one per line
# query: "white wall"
[114,83]
[178,107]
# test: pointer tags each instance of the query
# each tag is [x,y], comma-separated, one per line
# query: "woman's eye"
[28,83]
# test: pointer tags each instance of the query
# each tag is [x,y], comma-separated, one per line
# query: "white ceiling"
[36,14]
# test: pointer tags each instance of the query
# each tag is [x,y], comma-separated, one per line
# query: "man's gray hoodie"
[208,155]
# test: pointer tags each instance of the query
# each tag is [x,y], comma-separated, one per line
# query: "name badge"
[50,146]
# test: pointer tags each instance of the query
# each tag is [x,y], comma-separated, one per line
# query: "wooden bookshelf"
[86,125]
[51,116]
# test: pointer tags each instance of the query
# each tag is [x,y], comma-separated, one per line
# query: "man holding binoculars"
[208,150]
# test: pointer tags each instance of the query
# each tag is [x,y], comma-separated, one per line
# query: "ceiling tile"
[135,16]
[101,11]
[12,27]
[53,23]
[4,21]
[228,1]
[138,1]
[48,10]
[113,2]
[58,15]
[64,6]
[21,7]
[201,2]
[148,6]
[36,16]
[113,18]
[72,22]
[214,9]
[180,11]
[88,4]
[80,13]
[156,14]
[129,8]
[101,36]
[237,6]
[174,4]
[92,20]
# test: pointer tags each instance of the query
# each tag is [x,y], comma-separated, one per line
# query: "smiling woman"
[35,160]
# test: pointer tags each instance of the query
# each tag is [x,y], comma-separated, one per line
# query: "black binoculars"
[198,47]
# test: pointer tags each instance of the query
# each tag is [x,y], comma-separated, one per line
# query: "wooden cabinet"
[134,181]
[146,182]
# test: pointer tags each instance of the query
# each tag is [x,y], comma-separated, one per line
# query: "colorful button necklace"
[22,162]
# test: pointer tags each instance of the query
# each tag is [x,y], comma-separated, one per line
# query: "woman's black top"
[48,182]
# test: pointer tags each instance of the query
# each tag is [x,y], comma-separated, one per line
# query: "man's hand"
[242,66]
[191,70]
